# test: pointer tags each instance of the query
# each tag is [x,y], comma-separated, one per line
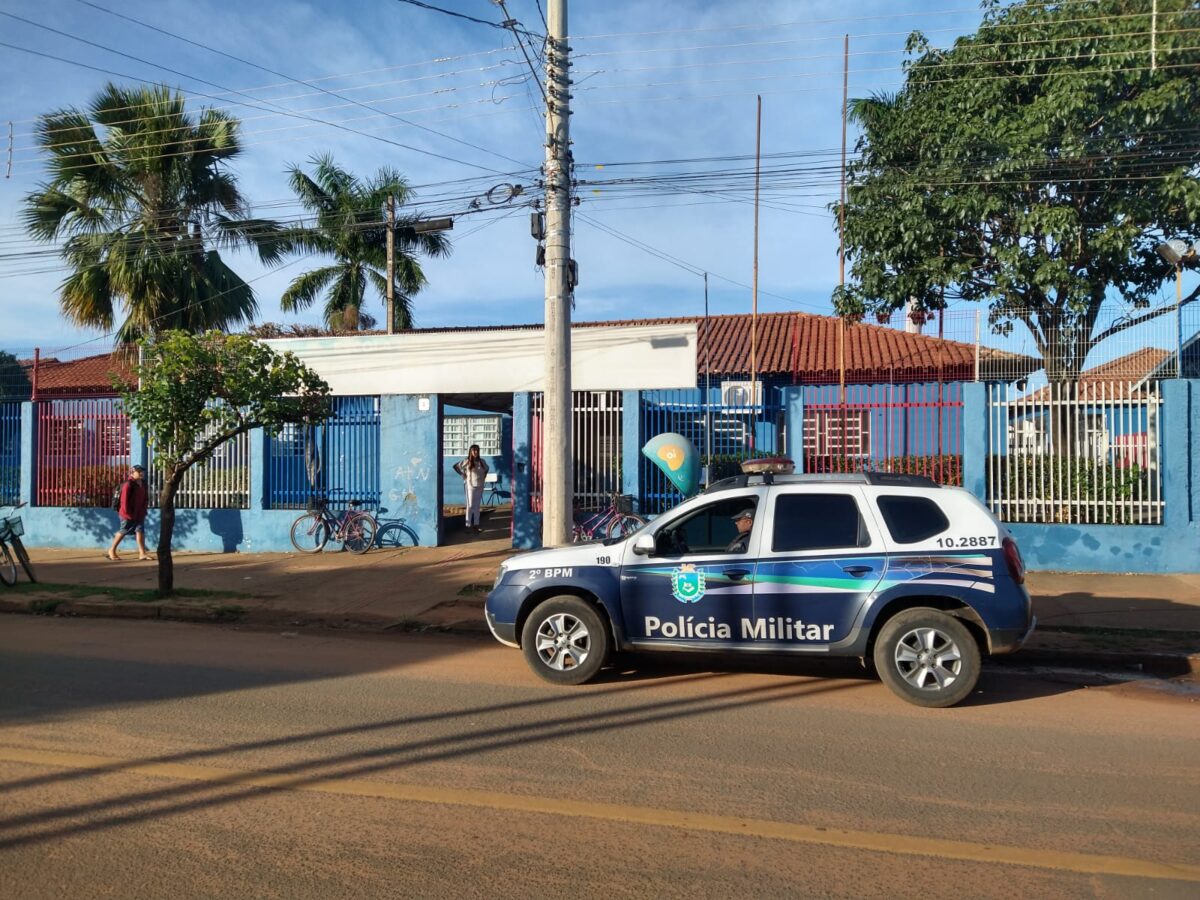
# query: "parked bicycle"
[354,528]
[615,520]
[12,550]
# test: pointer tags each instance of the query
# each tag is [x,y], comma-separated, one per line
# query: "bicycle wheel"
[310,534]
[22,556]
[8,568]
[625,524]
[359,532]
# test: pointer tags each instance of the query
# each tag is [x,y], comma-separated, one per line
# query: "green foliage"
[14,380]
[1032,166]
[1066,488]
[351,228]
[141,197]
[944,469]
[198,391]
[95,485]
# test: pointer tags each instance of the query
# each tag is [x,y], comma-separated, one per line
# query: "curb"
[122,610]
[1161,665]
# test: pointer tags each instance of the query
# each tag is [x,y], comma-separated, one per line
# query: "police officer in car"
[744,521]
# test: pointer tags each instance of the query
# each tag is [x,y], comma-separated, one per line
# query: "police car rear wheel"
[564,640]
[927,657]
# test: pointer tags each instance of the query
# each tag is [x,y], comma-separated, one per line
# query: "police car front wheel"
[565,640]
[927,657]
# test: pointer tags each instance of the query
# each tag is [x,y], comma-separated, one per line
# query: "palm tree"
[350,227]
[141,195]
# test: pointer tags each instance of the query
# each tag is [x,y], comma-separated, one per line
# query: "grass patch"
[65,592]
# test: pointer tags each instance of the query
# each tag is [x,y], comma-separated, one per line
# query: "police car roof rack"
[879,479]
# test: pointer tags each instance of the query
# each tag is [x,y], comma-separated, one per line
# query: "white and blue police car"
[919,579]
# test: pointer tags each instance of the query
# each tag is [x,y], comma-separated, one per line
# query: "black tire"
[359,533]
[22,556]
[310,534]
[572,661]
[625,524]
[913,639]
[8,568]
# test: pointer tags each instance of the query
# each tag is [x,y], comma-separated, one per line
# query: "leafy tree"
[14,380]
[350,227]
[1033,166]
[141,195]
[199,391]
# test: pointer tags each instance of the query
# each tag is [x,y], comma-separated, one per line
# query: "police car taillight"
[1012,556]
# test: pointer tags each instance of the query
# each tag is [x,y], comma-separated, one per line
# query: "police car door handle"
[736,574]
[857,571]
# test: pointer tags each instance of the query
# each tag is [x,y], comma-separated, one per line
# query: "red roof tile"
[90,375]
[809,347]
[1114,379]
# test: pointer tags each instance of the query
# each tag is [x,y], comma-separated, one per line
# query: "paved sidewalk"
[1109,617]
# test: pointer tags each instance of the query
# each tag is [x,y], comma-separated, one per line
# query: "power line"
[691,268]
[457,15]
[254,105]
[808,23]
[295,80]
[437,60]
[511,23]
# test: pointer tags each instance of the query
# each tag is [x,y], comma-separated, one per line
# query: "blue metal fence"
[723,434]
[10,453]
[337,461]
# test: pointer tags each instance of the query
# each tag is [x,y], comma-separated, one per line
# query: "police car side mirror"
[644,545]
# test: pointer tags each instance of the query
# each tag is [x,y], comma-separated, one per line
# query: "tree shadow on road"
[469,740]
[996,685]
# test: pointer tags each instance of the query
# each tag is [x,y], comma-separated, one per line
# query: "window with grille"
[460,432]
[829,432]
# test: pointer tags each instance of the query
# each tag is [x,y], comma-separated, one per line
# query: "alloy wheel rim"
[928,659]
[562,642]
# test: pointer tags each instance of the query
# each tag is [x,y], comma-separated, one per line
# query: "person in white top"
[474,472]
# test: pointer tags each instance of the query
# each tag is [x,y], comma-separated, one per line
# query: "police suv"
[919,579]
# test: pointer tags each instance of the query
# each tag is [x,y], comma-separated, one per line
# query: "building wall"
[1173,547]
[411,487]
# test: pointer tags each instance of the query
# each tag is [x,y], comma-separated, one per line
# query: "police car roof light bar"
[882,479]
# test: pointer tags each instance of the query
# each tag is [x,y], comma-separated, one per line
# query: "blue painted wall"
[410,454]
[1173,546]
[412,477]
[502,465]
[527,525]
[410,443]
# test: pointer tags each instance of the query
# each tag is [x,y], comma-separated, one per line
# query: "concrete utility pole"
[557,469]
[391,264]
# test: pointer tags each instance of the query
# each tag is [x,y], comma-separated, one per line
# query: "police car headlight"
[503,570]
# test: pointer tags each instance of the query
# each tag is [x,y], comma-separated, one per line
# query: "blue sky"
[640,96]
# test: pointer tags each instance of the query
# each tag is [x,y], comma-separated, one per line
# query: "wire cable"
[253,105]
[295,80]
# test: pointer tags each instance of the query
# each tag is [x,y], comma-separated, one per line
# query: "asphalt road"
[155,759]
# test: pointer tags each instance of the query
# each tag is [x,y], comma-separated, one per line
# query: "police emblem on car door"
[693,588]
[688,584]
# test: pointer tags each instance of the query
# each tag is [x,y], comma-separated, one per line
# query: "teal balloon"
[677,458]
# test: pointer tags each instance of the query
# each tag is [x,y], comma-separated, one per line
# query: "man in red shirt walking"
[135,499]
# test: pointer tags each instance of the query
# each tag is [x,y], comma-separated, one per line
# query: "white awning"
[626,357]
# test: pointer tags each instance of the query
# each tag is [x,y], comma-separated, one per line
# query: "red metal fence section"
[82,451]
[913,429]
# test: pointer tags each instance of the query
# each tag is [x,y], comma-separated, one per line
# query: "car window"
[911,519]
[817,522]
[709,529]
